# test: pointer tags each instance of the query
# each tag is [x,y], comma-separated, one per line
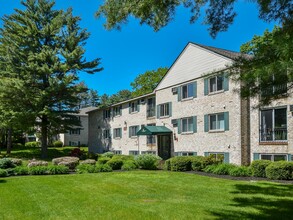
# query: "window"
[117,111]
[187,91]
[217,122]
[151,107]
[187,125]
[151,139]
[164,110]
[74,143]
[117,152]
[133,107]
[106,134]
[185,153]
[133,152]
[273,125]
[117,132]
[218,156]
[107,113]
[149,152]
[216,83]
[75,131]
[274,85]
[273,157]
[133,130]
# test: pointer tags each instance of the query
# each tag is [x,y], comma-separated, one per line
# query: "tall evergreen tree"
[41,54]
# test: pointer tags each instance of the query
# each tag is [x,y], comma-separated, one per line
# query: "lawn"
[142,195]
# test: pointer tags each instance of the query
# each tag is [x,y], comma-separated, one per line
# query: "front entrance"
[164,146]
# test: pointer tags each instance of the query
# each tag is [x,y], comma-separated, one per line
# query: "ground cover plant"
[142,195]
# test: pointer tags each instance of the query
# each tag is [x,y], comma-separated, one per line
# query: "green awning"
[153,130]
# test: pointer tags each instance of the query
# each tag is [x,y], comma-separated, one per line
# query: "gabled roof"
[226,53]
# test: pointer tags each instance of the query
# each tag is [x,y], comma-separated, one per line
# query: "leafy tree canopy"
[158,13]
[41,54]
[268,74]
[147,82]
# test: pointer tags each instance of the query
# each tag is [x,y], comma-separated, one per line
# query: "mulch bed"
[249,178]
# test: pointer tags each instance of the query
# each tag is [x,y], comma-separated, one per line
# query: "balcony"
[273,135]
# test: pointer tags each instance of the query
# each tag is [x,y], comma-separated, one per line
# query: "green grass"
[142,195]
[33,152]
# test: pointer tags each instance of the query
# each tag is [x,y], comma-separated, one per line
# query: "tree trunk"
[9,140]
[44,137]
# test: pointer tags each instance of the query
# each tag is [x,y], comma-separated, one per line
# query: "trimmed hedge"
[86,168]
[258,167]
[32,144]
[180,163]
[148,161]
[115,163]
[6,163]
[281,170]
[58,144]
[129,165]
[21,170]
[103,160]
[103,168]
[199,163]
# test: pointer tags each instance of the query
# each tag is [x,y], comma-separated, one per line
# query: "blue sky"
[135,49]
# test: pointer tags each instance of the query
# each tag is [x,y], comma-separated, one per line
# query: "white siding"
[193,62]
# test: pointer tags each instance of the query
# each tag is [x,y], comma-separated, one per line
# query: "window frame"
[189,96]
[273,157]
[149,152]
[217,154]
[107,113]
[136,127]
[151,107]
[216,82]
[115,136]
[74,131]
[117,152]
[133,107]
[188,125]
[165,108]
[133,152]
[217,122]
[106,134]
[115,112]
[185,153]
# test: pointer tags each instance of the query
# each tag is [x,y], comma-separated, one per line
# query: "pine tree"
[41,54]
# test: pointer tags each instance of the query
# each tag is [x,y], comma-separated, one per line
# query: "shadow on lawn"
[2,181]
[271,201]
[35,153]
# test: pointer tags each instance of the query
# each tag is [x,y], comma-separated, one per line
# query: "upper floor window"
[75,131]
[151,107]
[117,110]
[187,125]
[106,133]
[216,83]
[216,122]
[164,110]
[133,107]
[187,91]
[133,130]
[107,113]
[273,124]
[117,132]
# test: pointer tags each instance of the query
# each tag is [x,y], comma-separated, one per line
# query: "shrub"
[223,168]
[34,163]
[58,144]
[39,170]
[180,163]
[6,163]
[123,157]
[92,156]
[86,168]
[16,162]
[103,160]
[167,165]
[108,154]
[148,161]
[258,167]
[77,152]
[88,161]
[115,163]
[54,169]
[32,144]
[103,168]
[20,170]
[240,171]
[3,173]
[129,165]
[70,162]
[281,170]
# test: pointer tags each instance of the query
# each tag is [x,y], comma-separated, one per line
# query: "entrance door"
[164,146]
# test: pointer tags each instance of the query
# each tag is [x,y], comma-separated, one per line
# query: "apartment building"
[194,110]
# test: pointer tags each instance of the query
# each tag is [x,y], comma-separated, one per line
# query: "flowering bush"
[70,162]
[76,152]
[34,163]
